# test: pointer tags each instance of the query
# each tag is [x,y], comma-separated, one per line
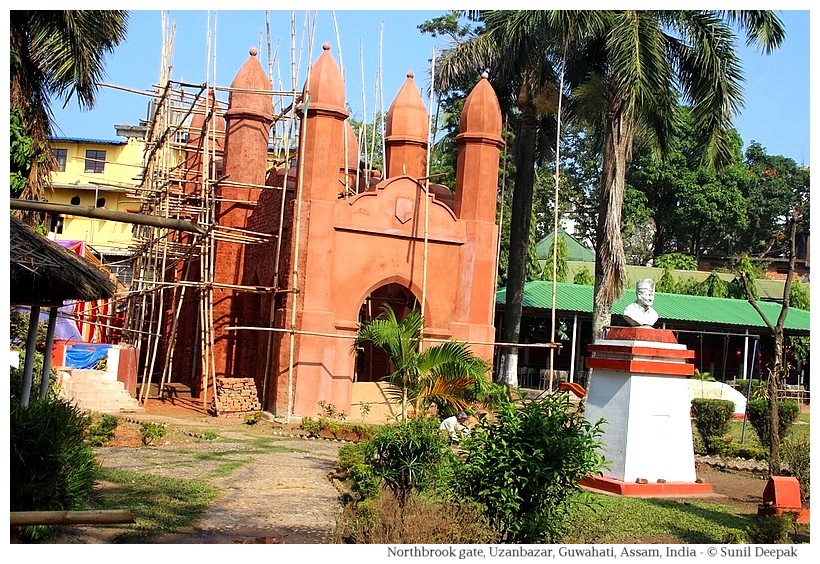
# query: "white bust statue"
[640,312]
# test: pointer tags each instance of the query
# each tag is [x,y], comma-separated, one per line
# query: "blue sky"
[777,89]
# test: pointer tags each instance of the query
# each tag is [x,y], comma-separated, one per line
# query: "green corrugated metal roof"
[575,250]
[712,312]
[767,289]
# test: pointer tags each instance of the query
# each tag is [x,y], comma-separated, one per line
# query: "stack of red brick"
[235,396]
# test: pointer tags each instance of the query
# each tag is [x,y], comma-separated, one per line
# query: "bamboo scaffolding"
[427,339]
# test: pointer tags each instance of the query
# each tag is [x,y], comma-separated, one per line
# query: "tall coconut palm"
[640,65]
[56,54]
[522,51]
[648,62]
[447,374]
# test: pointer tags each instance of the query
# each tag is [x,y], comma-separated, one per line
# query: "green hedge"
[712,421]
[759,414]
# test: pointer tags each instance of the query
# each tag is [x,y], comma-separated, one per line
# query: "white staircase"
[97,390]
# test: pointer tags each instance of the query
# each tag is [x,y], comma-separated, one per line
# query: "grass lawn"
[624,520]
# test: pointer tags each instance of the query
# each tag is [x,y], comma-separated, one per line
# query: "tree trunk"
[520,220]
[777,377]
[610,263]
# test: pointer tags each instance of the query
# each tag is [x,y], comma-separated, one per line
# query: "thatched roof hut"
[44,273]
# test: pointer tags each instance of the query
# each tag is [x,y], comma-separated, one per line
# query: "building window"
[56,223]
[75,201]
[100,202]
[60,155]
[95,161]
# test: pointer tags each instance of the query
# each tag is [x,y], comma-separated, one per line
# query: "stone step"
[97,390]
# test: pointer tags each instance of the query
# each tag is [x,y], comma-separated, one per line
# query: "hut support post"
[31,343]
[46,379]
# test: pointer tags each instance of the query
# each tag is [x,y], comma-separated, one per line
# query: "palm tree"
[647,61]
[445,374]
[522,52]
[55,53]
[630,69]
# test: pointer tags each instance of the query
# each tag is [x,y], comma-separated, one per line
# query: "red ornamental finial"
[326,46]
[485,74]
[410,74]
[252,51]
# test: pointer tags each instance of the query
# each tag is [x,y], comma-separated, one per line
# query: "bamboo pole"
[92,517]
[429,339]
[555,221]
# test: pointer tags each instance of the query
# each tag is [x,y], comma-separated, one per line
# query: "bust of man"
[640,312]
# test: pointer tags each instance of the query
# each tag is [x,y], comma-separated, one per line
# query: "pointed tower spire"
[323,107]
[407,132]
[479,148]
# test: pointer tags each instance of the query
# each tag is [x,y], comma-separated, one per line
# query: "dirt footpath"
[274,488]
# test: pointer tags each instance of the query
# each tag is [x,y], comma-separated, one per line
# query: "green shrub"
[253,418]
[355,453]
[797,455]
[311,426]
[16,379]
[355,465]
[210,435]
[760,418]
[332,426]
[771,529]
[151,432]
[102,430]
[364,482]
[712,421]
[758,390]
[524,466]
[410,455]
[52,467]
[747,452]
[735,536]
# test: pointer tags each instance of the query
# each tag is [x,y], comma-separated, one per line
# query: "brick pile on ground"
[236,397]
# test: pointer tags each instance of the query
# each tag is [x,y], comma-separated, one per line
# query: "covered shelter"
[723,332]
[43,274]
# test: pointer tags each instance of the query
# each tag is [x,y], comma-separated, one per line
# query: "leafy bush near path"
[524,466]
[52,466]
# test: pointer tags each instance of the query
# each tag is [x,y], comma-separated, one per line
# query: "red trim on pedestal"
[641,334]
[633,489]
[629,350]
[652,367]
[635,350]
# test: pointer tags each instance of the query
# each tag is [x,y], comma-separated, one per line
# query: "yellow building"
[101,174]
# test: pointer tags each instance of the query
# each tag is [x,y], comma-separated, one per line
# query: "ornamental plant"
[524,466]
[712,421]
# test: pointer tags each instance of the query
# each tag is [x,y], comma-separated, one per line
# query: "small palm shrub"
[712,421]
[760,417]
[52,466]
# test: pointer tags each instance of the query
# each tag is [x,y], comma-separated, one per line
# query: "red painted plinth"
[629,349]
[782,495]
[650,489]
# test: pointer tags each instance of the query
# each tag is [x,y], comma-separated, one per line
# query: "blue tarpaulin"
[85,357]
